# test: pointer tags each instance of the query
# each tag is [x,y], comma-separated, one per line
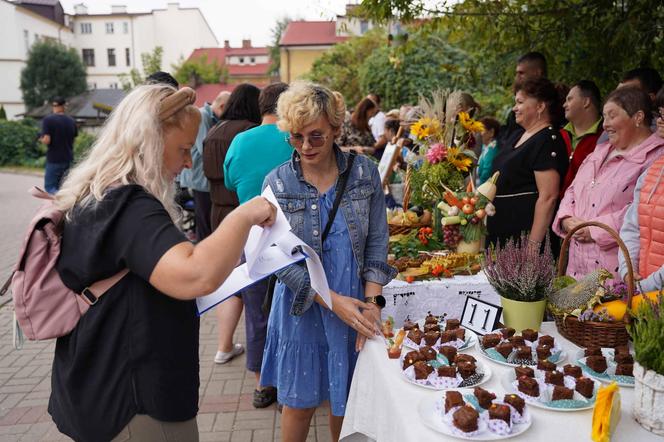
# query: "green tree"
[199,71]
[52,69]
[594,39]
[424,63]
[273,49]
[338,68]
[151,62]
[19,145]
[3,113]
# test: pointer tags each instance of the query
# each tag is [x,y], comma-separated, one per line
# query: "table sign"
[387,162]
[480,316]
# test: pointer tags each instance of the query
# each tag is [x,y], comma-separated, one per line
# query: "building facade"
[109,44]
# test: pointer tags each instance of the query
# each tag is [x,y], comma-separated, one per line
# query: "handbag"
[341,187]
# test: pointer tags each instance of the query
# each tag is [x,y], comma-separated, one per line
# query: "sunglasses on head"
[297,140]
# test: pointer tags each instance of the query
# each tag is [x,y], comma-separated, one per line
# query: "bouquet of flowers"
[444,158]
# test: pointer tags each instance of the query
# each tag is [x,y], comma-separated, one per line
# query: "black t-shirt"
[136,350]
[62,130]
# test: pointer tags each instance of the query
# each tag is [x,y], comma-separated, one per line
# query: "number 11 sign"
[480,316]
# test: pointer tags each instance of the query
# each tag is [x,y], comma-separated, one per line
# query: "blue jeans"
[53,176]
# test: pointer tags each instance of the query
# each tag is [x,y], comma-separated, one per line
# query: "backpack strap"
[92,293]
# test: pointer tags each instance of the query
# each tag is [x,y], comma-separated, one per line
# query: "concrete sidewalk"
[225,414]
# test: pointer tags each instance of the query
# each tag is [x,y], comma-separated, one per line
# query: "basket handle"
[406,188]
[562,260]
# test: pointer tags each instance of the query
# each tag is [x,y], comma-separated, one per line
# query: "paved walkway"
[225,413]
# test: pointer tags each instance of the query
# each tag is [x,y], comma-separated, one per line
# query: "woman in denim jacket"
[311,351]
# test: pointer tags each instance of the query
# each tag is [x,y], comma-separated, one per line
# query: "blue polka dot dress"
[311,358]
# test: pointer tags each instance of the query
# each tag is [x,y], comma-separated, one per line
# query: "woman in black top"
[130,367]
[530,167]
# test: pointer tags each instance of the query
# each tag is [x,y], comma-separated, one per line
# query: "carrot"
[452,200]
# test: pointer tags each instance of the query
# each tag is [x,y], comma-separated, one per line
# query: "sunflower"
[425,127]
[469,124]
[458,160]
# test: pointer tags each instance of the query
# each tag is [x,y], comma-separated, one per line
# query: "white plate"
[434,420]
[561,358]
[507,380]
[485,369]
[608,353]
[471,337]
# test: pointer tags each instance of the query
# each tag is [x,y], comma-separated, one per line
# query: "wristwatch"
[378,300]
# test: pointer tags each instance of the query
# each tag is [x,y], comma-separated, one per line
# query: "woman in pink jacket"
[604,185]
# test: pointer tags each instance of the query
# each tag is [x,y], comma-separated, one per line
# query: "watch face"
[380,301]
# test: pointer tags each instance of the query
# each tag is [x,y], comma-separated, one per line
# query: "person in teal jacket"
[489,148]
[251,157]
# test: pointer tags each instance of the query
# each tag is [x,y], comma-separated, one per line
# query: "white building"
[109,44]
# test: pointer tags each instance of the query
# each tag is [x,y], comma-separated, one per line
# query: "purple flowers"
[518,271]
[436,153]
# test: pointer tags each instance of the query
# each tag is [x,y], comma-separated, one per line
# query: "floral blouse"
[352,136]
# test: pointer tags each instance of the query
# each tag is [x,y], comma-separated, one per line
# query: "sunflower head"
[425,127]
[458,160]
[469,124]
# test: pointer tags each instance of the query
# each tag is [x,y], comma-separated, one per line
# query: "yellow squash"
[606,413]
[617,309]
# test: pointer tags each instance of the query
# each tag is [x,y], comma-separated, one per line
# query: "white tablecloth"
[441,296]
[382,406]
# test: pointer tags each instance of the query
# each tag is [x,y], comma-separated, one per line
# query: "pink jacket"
[603,192]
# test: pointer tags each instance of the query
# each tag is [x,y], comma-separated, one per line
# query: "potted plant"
[647,333]
[523,277]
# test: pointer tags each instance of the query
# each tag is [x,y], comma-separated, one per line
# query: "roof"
[259,69]
[39,2]
[247,51]
[310,33]
[82,107]
[206,93]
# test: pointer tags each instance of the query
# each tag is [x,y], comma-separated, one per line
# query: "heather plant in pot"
[523,277]
[647,333]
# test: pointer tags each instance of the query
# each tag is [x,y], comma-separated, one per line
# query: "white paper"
[267,251]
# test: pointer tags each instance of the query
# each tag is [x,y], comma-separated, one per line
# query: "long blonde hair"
[129,150]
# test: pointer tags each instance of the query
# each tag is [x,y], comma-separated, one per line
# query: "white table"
[382,406]
[438,296]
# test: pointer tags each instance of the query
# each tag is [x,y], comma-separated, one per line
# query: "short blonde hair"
[304,102]
[129,150]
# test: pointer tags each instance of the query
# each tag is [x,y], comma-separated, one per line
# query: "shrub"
[82,145]
[19,145]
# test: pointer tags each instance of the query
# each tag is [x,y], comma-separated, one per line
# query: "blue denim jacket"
[363,208]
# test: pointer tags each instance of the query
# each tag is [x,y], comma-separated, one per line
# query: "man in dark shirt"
[58,133]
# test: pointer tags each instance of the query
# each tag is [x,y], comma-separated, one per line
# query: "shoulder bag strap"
[92,293]
[341,187]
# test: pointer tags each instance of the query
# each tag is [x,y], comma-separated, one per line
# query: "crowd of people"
[130,367]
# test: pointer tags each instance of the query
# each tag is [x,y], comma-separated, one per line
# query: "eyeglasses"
[297,141]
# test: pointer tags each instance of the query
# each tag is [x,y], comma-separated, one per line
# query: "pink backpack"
[45,307]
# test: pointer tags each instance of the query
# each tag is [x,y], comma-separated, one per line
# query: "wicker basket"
[592,333]
[396,229]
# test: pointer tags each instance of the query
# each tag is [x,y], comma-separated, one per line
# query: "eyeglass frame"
[304,138]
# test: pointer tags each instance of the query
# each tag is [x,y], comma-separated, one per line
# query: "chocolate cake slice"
[448,336]
[466,369]
[529,386]
[430,338]
[523,353]
[623,358]
[546,340]
[596,363]
[625,370]
[453,399]
[524,371]
[529,335]
[411,357]
[460,333]
[452,324]
[484,398]
[516,401]
[449,352]
[545,365]
[543,351]
[517,340]
[507,332]
[431,327]
[465,358]
[490,340]
[431,319]
[428,353]
[422,370]
[562,393]
[447,371]
[466,418]
[502,412]
[554,378]
[572,370]
[505,349]
[585,386]
[415,335]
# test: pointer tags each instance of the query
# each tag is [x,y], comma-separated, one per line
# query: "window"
[252,60]
[241,60]
[111,56]
[364,26]
[36,38]
[113,85]
[89,57]
[109,28]
[26,40]
[86,28]
[125,27]
[92,85]
[127,57]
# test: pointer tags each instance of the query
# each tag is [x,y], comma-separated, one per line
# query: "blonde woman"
[129,370]
[311,351]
